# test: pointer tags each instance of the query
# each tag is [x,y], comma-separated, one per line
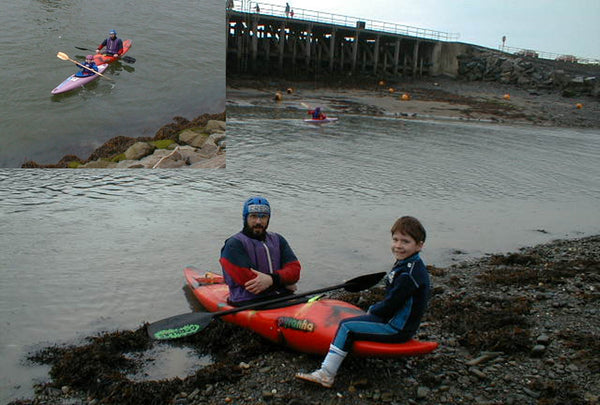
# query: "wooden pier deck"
[272,42]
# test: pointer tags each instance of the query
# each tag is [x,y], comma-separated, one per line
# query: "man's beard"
[257,232]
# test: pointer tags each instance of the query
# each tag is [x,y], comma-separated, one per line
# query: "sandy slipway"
[519,328]
[197,143]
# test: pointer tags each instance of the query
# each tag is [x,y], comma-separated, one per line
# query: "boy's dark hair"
[410,226]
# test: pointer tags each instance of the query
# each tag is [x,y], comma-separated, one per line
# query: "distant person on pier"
[287,9]
[114,45]
[317,114]
[230,5]
[257,8]
[292,13]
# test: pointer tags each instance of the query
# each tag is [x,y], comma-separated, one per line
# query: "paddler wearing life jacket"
[89,62]
[258,264]
[114,45]
[396,318]
[317,114]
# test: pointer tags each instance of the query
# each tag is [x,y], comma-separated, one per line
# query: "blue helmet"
[256,205]
[112,32]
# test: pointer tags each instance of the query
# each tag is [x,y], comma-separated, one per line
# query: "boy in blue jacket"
[89,62]
[397,317]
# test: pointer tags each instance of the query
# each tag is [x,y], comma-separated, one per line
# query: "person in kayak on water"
[258,264]
[317,114]
[114,45]
[89,62]
[396,318]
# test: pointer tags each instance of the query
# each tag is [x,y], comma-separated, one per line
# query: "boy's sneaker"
[319,376]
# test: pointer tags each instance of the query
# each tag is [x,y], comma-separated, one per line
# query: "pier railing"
[276,10]
[532,53]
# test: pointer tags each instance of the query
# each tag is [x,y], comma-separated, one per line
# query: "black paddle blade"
[179,326]
[85,49]
[363,282]
[128,59]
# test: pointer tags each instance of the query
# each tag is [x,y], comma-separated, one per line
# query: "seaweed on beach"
[549,273]
[100,367]
[88,366]
[495,324]
[515,259]
[557,393]
[586,346]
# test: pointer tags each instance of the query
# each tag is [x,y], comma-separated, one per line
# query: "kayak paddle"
[179,326]
[126,58]
[64,56]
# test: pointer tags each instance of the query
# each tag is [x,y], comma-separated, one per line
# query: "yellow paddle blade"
[62,55]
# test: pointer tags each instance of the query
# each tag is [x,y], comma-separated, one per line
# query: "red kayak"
[100,59]
[307,327]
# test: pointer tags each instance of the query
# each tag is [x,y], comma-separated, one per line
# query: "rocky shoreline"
[199,143]
[518,328]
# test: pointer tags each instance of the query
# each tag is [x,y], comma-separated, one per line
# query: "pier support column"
[281,45]
[331,50]
[376,55]
[308,45]
[415,59]
[294,50]
[397,56]
[254,41]
[355,51]
[436,59]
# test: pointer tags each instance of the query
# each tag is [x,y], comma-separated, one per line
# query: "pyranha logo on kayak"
[297,324]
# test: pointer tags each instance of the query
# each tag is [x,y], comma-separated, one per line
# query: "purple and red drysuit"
[272,256]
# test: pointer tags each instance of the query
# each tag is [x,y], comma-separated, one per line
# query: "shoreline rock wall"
[572,79]
[199,143]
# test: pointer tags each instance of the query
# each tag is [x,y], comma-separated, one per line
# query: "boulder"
[127,164]
[188,135]
[138,150]
[217,162]
[99,164]
[199,141]
[169,163]
[214,126]
[209,149]
[191,156]
[217,137]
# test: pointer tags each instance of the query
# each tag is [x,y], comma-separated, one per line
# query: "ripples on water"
[367,157]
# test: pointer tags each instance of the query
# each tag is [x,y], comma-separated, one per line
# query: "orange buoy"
[405,97]
[289,90]
[391,90]
[579,105]
[506,96]
[381,83]
[278,96]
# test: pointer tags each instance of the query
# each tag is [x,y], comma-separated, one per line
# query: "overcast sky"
[555,26]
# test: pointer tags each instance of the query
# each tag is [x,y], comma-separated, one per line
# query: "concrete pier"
[271,42]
